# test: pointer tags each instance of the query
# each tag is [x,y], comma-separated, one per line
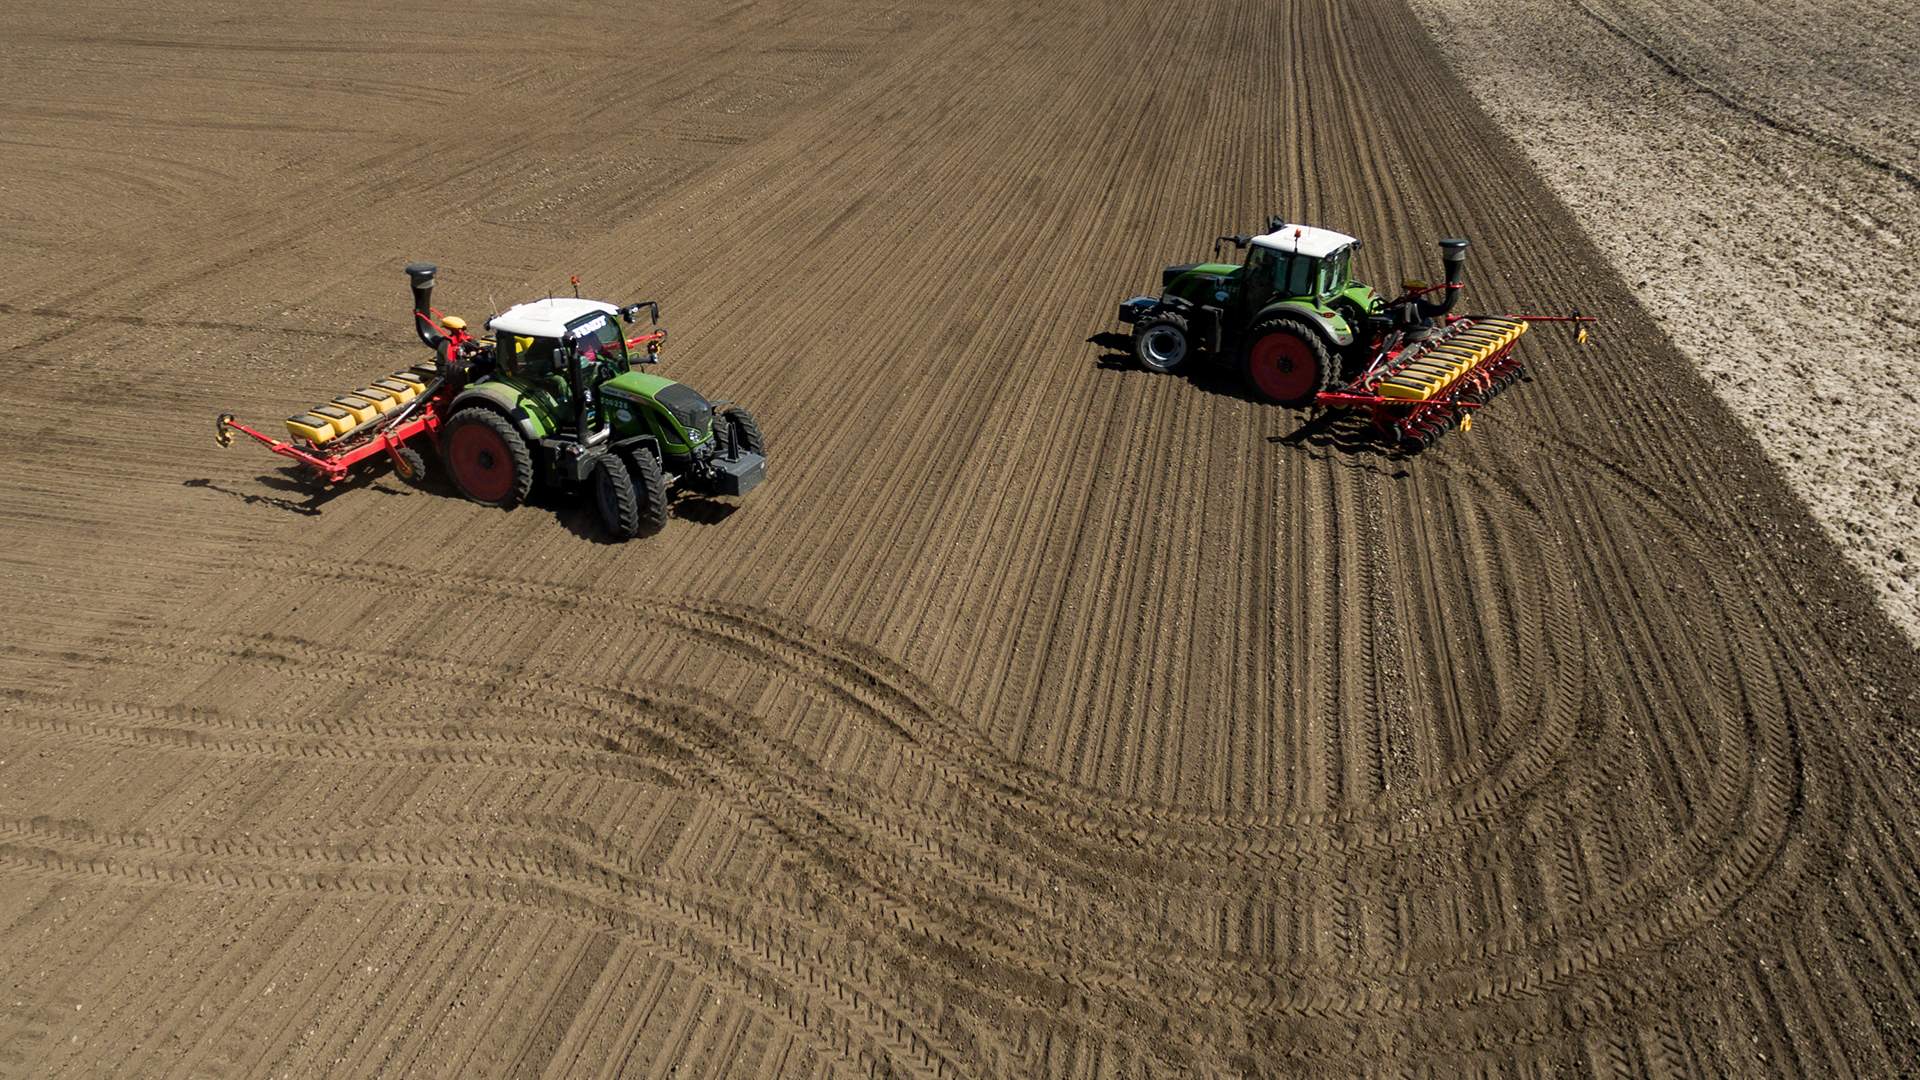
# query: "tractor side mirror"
[1238,240]
[632,311]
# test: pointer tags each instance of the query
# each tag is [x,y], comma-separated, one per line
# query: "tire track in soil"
[863,1029]
[1003,932]
[170,734]
[1753,112]
[894,701]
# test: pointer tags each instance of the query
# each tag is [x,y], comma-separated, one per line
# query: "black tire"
[1360,350]
[455,371]
[1161,342]
[410,467]
[486,458]
[1286,362]
[614,498]
[746,431]
[649,492]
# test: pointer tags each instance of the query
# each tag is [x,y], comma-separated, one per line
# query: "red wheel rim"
[1284,367]
[480,462]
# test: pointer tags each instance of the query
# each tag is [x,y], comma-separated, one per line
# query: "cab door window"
[524,356]
[1259,263]
[1295,275]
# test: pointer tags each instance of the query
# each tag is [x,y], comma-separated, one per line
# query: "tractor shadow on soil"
[1205,377]
[298,493]
[580,518]
[701,510]
[1328,432]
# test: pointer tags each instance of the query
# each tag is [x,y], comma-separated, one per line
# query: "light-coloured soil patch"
[1750,168]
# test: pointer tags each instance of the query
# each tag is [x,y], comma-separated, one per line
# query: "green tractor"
[1291,316]
[557,397]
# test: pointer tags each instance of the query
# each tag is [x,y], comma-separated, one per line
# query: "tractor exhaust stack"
[420,275]
[1453,256]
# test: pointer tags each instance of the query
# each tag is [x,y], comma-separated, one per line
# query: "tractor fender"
[1332,327]
[625,447]
[1203,320]
[509,403]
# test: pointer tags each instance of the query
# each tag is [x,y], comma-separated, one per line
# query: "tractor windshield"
[600,341]
[1284,273]
[1333,271]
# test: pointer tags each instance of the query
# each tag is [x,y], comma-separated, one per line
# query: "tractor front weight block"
[1136,308]
[737,475]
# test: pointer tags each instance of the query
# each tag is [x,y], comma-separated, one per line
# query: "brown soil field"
[1039,717]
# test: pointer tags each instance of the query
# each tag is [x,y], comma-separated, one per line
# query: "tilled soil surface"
[1038,717]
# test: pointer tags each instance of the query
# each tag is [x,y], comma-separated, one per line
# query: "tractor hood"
[692,412]
[640,384]
[1174,273]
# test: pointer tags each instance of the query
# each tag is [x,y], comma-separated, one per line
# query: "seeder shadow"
[1328,431]
[301,493]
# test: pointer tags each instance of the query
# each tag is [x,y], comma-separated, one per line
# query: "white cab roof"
[546,318]
[1304,240]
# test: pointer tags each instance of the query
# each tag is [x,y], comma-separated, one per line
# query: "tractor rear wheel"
[613,496]
[487,459]
[1286,362]
[746,431]
[649,492]
[1161,344]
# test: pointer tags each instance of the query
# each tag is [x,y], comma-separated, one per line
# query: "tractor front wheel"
[1161,344]
[745,431]
[1286,362]
[487,459]
[649,492]
[614,497]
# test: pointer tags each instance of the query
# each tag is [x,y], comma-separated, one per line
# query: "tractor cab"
[564,350]
[1296,262]
[572,361]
